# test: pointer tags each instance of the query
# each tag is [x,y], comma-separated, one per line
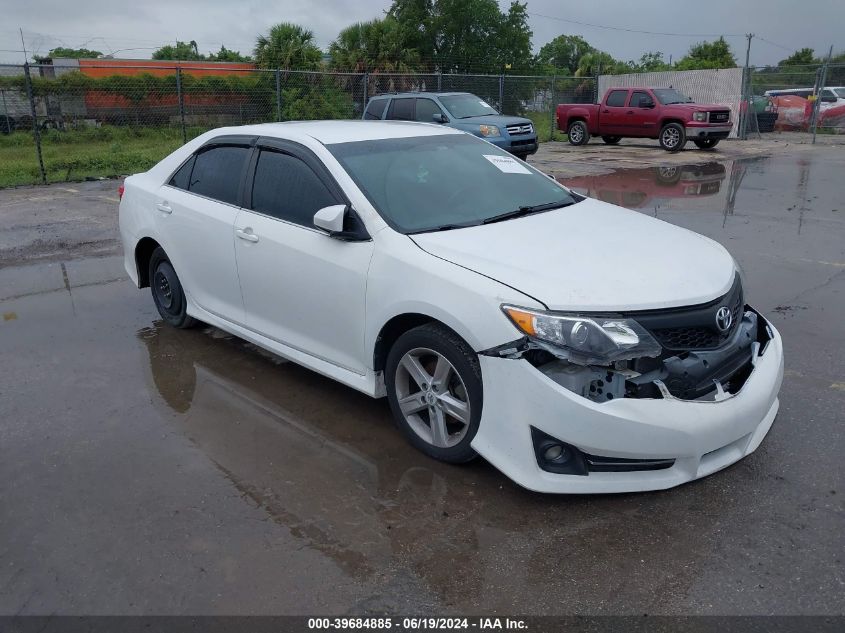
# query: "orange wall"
[160,68]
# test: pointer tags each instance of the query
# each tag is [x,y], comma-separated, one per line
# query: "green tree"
[183,51]
[715,54]
[513,39]
[374,46]
[475,36]
[414,20]
[68,53]
[564,52]
[601,63]
[226,55]
[805,56]
[287,46]
[650,62]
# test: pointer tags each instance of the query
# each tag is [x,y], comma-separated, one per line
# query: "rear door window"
[182,178]
[638,98]
[375,109]
[401,109]
[217,172]
[286,188]
[616,98]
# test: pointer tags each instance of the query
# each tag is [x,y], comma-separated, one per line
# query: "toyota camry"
[575,345]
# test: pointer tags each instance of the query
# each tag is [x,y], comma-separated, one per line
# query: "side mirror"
[828,99]
[331,218]
[439,118]
[341,223]
[646,104]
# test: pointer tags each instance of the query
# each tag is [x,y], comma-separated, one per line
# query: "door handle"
[605,111]
[246,234]
[630,112]
[164,208]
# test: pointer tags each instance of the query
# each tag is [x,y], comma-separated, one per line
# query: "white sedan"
[577,346]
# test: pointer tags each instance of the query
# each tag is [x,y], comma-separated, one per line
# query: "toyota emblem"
[724,319]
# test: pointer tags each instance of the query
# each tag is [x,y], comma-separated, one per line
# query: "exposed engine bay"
[703,373]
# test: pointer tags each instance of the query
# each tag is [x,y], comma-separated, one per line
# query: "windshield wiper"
[444,227]
[527,210]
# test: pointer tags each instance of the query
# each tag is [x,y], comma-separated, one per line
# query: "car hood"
[499,120]
[591,256]
[698,107]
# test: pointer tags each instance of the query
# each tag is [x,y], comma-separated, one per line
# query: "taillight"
[120,191]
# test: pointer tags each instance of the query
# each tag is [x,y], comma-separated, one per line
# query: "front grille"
[520,129]
[694,328]
[720,117]
[687,337]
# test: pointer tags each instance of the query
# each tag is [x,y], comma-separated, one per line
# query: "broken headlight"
[585,340]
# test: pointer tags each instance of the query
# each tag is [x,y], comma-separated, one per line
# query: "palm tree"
[287,46]
[374,46]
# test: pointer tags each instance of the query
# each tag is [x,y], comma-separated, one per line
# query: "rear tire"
[611,140]
[707,143]
[167,291]
[433,382]
[673,137]
[578,133]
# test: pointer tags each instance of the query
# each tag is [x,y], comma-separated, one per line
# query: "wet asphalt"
[145,470]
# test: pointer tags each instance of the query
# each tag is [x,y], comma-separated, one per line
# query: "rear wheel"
[522,157]
[433,382]
[578,133]
[707,143]
[673,137]
[167,291]
[611,140]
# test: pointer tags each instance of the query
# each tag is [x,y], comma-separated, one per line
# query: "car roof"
[418,93]
[337,131]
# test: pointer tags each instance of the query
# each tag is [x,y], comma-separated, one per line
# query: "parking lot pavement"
[150,470]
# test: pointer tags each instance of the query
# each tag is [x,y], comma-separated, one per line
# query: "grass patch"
[543,126]
[90,152]
[110,150]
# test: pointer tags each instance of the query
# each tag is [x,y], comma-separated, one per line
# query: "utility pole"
[36,133]
[745,108]
[818,102]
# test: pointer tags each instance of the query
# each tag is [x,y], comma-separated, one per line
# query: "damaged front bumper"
[687,416]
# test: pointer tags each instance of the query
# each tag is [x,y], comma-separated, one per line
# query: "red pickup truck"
[661,113]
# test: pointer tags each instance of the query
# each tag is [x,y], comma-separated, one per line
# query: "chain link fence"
[61,123]
[802,98]
[70,122]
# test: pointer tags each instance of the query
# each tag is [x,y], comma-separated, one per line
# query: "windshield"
[840,92]
[465,106]
[427,183]
[667,96]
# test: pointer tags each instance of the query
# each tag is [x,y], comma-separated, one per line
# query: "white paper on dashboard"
[507,164]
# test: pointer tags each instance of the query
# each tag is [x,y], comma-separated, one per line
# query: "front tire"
[673,137]
[707,143]
[578,133]
[433,382]
[611,140]
[167,291]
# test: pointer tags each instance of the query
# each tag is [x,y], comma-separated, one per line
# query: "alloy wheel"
[432,397]
[671,137]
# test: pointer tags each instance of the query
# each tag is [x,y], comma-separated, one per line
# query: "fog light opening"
[555,453]
[555,456]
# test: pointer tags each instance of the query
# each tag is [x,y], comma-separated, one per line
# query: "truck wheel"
[707,143]
[578,133]
[611,140]
[673,137]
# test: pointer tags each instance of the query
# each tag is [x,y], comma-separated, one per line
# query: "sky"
[134,30]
